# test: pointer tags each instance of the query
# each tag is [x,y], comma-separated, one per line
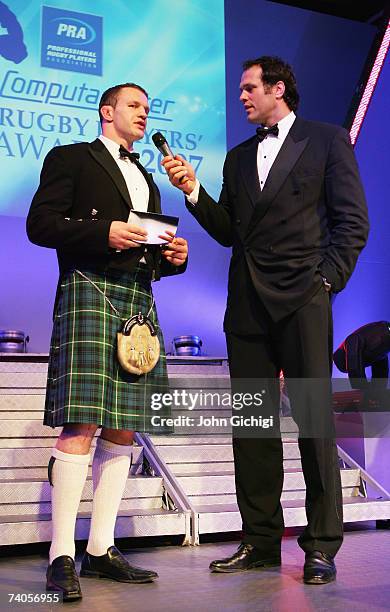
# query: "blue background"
[191,52]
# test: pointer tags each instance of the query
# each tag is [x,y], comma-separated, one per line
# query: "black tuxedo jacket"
[310,220]
[81,192]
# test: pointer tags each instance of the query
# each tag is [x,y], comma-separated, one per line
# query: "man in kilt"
[81,209]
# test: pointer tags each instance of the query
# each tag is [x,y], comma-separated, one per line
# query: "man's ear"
[279,89]
[106,112]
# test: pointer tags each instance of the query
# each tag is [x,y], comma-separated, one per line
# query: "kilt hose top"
[86,383]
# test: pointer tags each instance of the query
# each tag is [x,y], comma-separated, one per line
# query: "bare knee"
[76,438]
[118,436]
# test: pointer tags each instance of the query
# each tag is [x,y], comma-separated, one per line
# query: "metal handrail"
[172,487]
[363,474]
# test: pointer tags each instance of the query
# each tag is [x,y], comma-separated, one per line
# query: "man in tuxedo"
[81,209]
[293,209]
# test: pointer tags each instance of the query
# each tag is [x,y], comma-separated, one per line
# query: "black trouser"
[301,346]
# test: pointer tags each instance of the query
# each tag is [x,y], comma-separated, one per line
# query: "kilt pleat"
[86,383]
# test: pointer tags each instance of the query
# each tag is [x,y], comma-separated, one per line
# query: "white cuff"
[194,195]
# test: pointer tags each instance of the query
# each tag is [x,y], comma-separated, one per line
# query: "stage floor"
[185,584]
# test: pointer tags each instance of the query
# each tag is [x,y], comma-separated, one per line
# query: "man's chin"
[139,134]
[252,118]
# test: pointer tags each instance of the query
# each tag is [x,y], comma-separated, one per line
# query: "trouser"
[301,346]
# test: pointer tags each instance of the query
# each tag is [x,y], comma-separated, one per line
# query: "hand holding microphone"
[180,173]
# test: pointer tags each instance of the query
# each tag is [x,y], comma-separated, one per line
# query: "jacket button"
[238,221]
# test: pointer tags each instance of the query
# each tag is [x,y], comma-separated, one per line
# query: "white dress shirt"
[269,148]
[134,179]
[267,152]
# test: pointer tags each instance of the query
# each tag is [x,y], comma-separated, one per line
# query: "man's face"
[259,103]
[127,120]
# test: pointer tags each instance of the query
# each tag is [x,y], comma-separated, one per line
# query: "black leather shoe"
[319,568]
[245,558]
[114,565]
[61,577]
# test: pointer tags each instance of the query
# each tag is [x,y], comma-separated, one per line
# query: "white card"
[155,224]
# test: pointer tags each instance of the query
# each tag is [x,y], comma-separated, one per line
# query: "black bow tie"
[130,154]
[263,132]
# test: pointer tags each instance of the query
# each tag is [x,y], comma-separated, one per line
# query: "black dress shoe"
[245,558]
[114,565]
[319,568]
[61,577]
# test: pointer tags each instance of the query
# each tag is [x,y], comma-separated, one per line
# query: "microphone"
[161,143]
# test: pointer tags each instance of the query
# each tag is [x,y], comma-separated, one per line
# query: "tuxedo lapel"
[290,152]
[154,199]
[103,157]
[248,169]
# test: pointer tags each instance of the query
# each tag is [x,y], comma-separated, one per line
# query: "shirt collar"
[111,145]
[285,124]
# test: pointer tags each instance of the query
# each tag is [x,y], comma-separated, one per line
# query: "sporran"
[138,346]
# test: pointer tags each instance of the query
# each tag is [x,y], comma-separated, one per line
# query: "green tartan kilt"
[86,383]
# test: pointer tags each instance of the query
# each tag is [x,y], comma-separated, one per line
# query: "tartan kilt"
[86,383]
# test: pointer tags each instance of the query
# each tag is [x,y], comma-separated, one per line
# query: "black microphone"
[161,143]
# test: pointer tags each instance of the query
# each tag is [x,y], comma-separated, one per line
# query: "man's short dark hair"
[110,96]
[275,69]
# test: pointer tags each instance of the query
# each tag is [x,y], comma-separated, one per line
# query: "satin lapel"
[105,159]
[154,199]
[248,169]
[286,159]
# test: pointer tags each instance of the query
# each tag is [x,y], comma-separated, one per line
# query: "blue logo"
[12,47]
[71,41]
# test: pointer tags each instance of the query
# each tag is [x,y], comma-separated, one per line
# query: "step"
[39,508]
[34,490]
[32,416]
[24,366]
[34,362]
[22,402]
[48,442]
[287,425]
[224,498]
[37,457]
[23,428]
[218,452]
[40,473]
[135,523]
[25,425]
[206,484]
[179,380]
[219,518]
[182,469]
[176,440]
[21,380]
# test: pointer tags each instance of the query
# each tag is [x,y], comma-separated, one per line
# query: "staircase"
[181,484]
[149,506]
[204,469]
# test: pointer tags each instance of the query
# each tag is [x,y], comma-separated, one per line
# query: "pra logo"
[78,31]
[71,41]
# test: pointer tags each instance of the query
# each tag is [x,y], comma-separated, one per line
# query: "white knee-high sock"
[68,476]
[110,470]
